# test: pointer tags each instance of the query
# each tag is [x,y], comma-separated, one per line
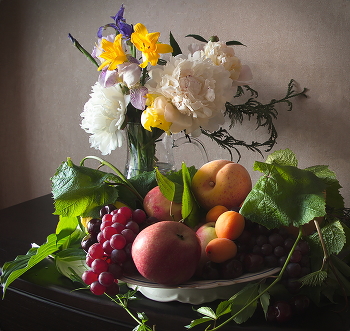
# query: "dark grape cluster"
[260,247]
[108,247]
[282,311]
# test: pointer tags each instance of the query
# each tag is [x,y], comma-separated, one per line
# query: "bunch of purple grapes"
[108,247]
[260,248]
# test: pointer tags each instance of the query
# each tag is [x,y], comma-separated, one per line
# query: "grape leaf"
[334,199]
[143,183]
[283,157]
[333,235]
[77,189]
[285,195]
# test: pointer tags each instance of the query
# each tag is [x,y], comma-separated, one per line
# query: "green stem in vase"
[141,149]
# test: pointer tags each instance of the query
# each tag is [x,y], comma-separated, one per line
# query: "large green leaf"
[78,189]
[285,195]
[334,199]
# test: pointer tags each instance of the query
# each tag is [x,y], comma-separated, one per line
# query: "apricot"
[230,225]
[213,214]
[219,250]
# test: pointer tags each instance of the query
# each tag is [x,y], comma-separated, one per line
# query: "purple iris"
[120,25]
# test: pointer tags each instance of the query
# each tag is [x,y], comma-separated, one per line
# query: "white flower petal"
[103,117]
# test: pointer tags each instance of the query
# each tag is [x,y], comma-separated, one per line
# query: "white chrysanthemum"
[103,116]
[197,90]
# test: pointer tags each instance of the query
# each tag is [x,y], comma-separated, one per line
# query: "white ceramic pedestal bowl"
[195,292]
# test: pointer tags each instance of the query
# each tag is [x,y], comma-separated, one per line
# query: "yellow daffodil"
[113,53]
[148,44]
[153,116]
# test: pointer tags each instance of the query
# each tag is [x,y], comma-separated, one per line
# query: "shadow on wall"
[13,119]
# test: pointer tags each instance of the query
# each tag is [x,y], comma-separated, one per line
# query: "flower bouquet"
[292,220]
[147,88]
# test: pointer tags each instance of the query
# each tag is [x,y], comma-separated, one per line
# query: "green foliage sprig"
[264,114]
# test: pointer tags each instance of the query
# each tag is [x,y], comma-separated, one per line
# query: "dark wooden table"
[49,304]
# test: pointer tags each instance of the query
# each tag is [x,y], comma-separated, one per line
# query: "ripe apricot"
[220,250]
[230,225]
[213,214]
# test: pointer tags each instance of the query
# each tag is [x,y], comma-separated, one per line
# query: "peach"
[157,205]
[220,250]
[221,182]
[213,214]
[230,225]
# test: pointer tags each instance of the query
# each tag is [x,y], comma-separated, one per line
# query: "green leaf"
[265,298]
[190,209]
[207,311]
[172,191]
[284,157]
[343,267]
[14,269]
[234,43]
[143,183]
[285,195]
[314,278]
[197,322]
[334,199]
[333,236]
[174,45]
[223,308]
[197,37]
[77,189]
[70,262]
[240,301]
[66,224]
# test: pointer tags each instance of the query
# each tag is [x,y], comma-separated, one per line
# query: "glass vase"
[142,146]
[147,150]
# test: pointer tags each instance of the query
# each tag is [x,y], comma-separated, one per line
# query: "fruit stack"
[155,243]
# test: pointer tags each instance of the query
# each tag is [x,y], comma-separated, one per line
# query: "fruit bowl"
[197,291]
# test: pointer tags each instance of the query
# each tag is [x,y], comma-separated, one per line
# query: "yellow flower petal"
[164,48]
[153,117]
[147,43]
[113,53]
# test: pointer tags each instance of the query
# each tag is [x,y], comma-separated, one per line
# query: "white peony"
[222,55]
[197,90]
[103,117]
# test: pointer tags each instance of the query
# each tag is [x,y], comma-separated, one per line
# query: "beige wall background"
[45,81]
